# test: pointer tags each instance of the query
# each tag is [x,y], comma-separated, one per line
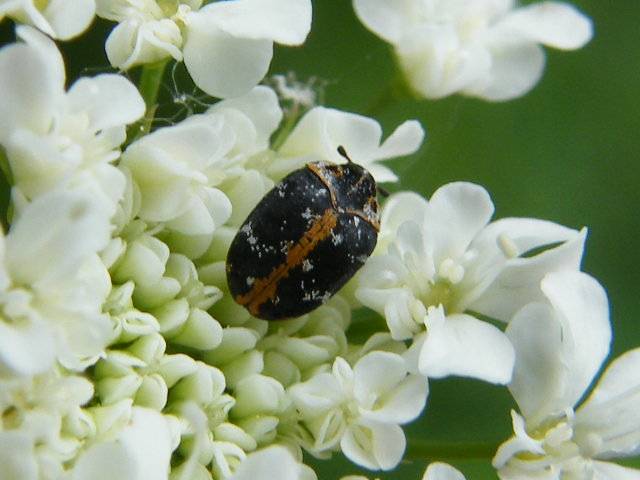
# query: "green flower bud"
[228,432]
[201,331]
[261,427]
[153,392]
[243,366]
[258,394]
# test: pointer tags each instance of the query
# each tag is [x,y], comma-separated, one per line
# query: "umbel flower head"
[561,344]
[482,48]
[439,259]
[226,46]
[123,354]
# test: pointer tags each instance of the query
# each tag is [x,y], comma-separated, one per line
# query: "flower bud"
[258,394]
[201,331]
[243,366]
[153,392]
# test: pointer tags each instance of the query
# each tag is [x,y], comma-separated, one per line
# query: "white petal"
[343,373]
[397,312]
[321,130]
[141,451]
[55,234]
[442,471]
[519,281]
[374,445]
[397,209]
[317,395]
[133,42]
[403,404]
[539,373]
[405,140]
[69,18]
[613,410]
[520,442]
[376,374]
[283,21]
[437,63]
[516,67]
[168,168]
[387,18]
[27,347]
[49,51]
[31,90]
[412,354]
[196,220]
[611,471]
[219,63]
[554,24]
[109,101]
[272,462]
[511,237]
[583,307]
[17,456]
[456,213]
[381,174]
[261,106]
[468,347]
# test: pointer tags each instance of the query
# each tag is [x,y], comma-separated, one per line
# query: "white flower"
[58,139]
[176,169]
[361,408]
[447,253]
[484,48]
[321,130]
[55,285]
[141,450]
[44,424]
[272,462]
[147,30]
[170,168]
[560,347]
[442,471]
[226,46]
[63,19]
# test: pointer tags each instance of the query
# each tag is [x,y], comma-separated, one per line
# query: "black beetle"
[304,240]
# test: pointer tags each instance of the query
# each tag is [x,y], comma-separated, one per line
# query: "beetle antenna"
[382,191]
[343,152]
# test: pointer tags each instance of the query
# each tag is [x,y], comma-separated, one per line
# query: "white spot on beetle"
[246,229]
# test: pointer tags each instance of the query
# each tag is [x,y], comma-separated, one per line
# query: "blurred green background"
[568,152]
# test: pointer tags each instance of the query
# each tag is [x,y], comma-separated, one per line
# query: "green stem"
[5,168]
[6,181]
[287,127]
[424,450]
[149,87]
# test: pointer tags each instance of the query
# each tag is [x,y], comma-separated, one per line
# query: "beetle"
[304,240]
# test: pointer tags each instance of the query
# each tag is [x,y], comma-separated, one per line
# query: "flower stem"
[418,449]
[6,181]
[149,87]
[289,122]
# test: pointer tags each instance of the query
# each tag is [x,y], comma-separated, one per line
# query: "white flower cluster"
[483,48]
[226,46]
[122,353]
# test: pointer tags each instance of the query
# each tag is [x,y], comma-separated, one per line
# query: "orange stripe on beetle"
[264,289]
